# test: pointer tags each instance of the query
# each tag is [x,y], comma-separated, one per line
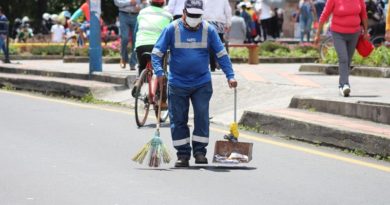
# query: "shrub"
[269,46]
[379,57]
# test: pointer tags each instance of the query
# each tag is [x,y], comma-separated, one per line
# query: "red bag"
[364,47]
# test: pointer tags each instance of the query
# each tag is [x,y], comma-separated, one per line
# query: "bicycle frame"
[152,83]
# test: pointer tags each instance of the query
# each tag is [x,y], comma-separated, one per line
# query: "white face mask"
[193,22]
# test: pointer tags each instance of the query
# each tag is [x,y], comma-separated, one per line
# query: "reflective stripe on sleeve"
[200,139]
[181,142]
[222,53]
[157,52]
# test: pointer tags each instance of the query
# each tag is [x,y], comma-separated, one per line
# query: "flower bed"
[380,57]
[278,50]
[44,49]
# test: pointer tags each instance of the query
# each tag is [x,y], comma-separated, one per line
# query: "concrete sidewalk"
[264,92]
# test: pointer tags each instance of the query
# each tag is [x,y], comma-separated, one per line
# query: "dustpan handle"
[235,105]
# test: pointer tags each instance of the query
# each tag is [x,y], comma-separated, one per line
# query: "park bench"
[253,49]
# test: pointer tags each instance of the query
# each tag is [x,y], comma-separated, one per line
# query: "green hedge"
[380,57]
[277,50]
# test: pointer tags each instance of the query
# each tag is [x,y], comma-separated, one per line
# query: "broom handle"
[235,105]
[159,105]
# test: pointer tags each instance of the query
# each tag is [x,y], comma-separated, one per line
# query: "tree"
[35,8]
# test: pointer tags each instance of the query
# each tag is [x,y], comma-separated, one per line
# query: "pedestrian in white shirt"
[57,32]
[265,13]
[175,7]
[219,14]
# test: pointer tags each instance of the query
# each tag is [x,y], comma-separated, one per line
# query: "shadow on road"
[216,168]
[364,96]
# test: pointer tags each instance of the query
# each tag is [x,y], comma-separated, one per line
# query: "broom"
[233,135]
[156,149]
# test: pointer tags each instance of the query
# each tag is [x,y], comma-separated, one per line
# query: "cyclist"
[151,21]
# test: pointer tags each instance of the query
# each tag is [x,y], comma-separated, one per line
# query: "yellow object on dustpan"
[234,130]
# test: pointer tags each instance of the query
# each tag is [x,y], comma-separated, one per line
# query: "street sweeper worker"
[189,40]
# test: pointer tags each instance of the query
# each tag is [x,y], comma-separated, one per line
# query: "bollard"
[6,54]
[95,47]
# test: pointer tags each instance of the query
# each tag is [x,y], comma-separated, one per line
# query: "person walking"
[237,33]
[387,36]
[189,79]
[307,15]
[175,7]
[264,13]
[219,14]
[346,29]
[3,35]
[128,12]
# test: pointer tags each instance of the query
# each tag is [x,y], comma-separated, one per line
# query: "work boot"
[200,159]
[182,162]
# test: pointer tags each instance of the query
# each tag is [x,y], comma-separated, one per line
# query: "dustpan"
[231,151]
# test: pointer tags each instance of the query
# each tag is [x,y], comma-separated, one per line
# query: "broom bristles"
[141,154]
[157,151]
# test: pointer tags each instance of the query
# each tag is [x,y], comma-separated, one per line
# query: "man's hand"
[387,36]
[232,83]
[133,2]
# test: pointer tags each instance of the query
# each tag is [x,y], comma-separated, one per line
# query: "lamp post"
[95,47]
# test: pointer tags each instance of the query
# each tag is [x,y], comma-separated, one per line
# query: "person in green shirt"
[151,21]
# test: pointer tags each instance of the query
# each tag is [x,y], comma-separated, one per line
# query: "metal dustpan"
[232,151]
[227,152]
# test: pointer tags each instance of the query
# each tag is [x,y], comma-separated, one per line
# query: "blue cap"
[194,6]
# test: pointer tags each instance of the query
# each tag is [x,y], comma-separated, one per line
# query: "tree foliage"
[35,8]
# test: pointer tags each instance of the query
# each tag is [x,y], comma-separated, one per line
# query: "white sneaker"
[346,90]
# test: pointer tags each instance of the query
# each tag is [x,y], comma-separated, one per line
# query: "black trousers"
[142,61]
[213,62]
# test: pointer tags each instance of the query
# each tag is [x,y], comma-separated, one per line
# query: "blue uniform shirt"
[189,61]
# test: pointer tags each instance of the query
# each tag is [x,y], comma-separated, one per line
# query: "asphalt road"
[61,152]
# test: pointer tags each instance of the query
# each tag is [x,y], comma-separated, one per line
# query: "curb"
[378,72]
[51,86]
[317,133]
[101,77]
[376,112]
[277,60]
[80,59]
[36,57]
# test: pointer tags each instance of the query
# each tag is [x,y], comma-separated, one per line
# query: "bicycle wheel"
[142,104]
[69,44]
[325,46]
[377,41]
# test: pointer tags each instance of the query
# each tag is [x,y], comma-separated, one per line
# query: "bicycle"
[148,94]
[75,41]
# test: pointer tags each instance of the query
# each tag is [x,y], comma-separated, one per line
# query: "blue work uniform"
[189,79]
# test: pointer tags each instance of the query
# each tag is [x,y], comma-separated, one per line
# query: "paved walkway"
[261,87]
